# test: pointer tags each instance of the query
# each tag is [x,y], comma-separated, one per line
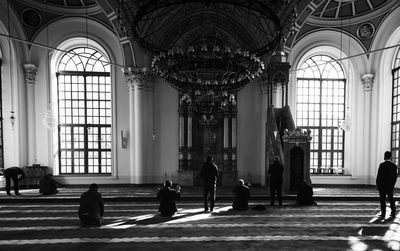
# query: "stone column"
[367,81]
[30,71]
[140,83]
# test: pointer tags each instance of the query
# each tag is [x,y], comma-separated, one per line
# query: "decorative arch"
[389,36]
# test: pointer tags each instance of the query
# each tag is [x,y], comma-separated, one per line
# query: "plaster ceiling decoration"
[333,10]
[67,3]
[60,7]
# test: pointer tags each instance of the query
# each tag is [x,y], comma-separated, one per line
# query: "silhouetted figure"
[209,174]
[275,180]
[91,208]
[48,185]
[305,194]
[168,197]
[242,195]
[385,181]
[15,174]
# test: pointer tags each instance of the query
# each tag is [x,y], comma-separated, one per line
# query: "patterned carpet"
[334,224]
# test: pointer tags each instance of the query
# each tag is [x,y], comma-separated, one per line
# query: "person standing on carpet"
[275,180]
[91,208]
[209,174]
[385,181]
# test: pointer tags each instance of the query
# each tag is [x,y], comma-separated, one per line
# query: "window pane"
[320,107]
[84,113]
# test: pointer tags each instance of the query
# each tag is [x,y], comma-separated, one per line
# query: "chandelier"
[207,67]
[214,45]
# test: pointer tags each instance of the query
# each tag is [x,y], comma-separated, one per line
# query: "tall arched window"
[84,112]
[395,148]
[1,123]
[320,107]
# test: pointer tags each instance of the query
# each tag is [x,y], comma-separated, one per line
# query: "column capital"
[30,71]
[367,81]
[139,78]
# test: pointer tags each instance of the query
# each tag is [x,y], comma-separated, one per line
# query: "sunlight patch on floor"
[198,214]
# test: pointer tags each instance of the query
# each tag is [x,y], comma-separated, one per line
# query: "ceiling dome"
[349,9]
[67,3]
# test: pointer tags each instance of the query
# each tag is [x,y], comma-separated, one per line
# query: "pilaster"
[30,71]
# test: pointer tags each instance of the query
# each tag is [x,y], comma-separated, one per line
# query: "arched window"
[84,112]
[395,148]
[320,107]
[1,124]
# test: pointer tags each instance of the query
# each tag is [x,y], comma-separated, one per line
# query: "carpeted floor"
[344,219]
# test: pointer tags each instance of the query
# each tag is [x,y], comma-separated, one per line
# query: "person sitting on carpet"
[168,196]
[242,195]
[305,194]
[48,185]
[91,208]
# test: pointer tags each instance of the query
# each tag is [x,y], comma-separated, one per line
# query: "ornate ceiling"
[254,25]
[63,3]
[343,9]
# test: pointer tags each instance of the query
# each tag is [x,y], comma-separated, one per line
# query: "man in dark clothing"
[91,208]
[15,174]
[275,180]
[168,196]
[242,195]
[48,185]
[305,194]
[385,181]
[209,174]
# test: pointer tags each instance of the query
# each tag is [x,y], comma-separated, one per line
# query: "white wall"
[382,63]
[13,55]
[250,155]
[166,132]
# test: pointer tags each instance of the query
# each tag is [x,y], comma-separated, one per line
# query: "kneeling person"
[305,194]
[91,208]
[48,185]
[168,196]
